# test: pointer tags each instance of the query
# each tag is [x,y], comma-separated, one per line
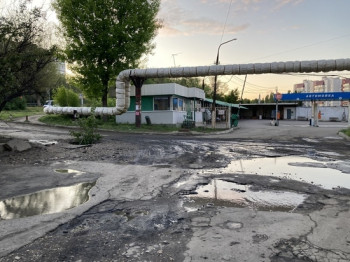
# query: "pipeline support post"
[138,82]
[314,114]
[349,114]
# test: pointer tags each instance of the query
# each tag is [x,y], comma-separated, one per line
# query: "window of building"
[178,104]
[181,105]
[175,103]
[161,103]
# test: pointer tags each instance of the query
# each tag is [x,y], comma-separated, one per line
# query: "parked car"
[48,103]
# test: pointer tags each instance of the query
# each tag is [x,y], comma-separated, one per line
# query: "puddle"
[310,140]
[43,142]
[45,202]
[329,153]
[334,137]
[291,167]
[229,194]
[69,171]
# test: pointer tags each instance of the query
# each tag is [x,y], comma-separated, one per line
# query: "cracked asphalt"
[146,202]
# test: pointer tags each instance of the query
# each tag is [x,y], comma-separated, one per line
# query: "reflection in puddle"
[229,194]
[43,142]
[69,171]
[45,202]
[292,167]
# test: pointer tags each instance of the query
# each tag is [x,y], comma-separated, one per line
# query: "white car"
[48,103]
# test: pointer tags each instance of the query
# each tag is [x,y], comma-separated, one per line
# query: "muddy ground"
[146,201]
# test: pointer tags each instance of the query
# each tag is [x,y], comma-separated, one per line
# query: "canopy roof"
[221,103]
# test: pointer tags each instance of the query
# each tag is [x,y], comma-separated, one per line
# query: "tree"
[232,97]
[104,37]
[269,98]
[22,59]
[48,80]
[246,101]
[66,97]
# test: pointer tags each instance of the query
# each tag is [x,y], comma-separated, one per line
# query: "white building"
[166,104]
[327,110]
[327,84]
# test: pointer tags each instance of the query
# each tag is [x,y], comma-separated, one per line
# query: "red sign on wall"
[278,96]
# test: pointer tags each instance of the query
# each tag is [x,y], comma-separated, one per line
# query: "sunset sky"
[266,31]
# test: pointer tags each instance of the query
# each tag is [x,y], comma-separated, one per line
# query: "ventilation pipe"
[123,79]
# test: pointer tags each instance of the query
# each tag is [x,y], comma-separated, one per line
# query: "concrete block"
[17,145]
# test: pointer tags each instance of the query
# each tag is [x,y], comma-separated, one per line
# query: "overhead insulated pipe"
[244,69]
[123,79]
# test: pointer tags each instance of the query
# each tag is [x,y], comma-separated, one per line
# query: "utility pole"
[277,121]
[213,113]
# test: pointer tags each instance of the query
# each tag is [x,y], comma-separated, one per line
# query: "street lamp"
[213,115]
[174,58]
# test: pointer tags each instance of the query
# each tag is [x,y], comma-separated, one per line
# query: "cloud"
[281,3]
[169,30]
[294,27]
[248,5]
[211,27]
[180,21]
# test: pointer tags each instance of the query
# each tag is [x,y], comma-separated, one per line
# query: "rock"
[17,145]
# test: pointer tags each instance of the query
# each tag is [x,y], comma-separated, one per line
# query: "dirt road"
[259,193]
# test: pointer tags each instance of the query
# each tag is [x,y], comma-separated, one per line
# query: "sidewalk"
[261,129]
[286,130]
[31,119]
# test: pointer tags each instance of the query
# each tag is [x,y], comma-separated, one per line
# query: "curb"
[344,136]
[37,123]
[215,133]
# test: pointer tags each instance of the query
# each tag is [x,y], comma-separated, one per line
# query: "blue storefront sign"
[329,96]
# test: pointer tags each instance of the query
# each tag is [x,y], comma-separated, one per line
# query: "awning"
[221,103]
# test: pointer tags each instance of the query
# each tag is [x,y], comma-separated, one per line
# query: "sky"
[266,31]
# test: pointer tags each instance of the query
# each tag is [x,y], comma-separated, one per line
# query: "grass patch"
[87,133]
[67,120]
[8,115]
[346,131]
[58,120]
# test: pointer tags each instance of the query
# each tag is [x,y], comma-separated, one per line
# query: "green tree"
[104,37]
[232,97]
[66,97]
[22,59]
[48,80]
[269,98]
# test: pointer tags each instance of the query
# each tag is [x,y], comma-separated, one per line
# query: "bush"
[111,102]
[346,131]
[93,102]
[18,103]
[66,97]
[87,134]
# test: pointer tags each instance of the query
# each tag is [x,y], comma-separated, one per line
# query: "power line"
[301,47]
[228,12]
[252,83]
